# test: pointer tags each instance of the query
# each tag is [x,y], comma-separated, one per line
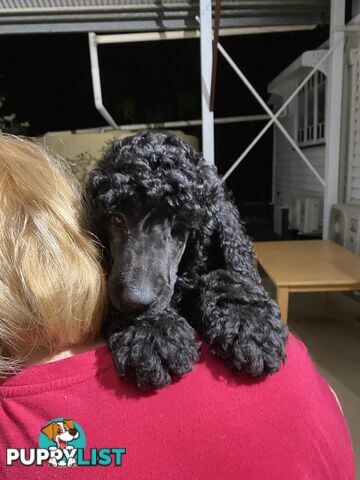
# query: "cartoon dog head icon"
[61,432]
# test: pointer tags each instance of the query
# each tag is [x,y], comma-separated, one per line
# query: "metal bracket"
[96,81]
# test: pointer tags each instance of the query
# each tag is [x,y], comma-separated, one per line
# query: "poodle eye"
[178,230]
[118,221]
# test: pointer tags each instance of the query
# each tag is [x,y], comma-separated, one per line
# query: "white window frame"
[314,134]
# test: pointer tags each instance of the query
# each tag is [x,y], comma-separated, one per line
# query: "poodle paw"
[242,323]
[153,349]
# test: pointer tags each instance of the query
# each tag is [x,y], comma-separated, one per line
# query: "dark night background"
[47,81]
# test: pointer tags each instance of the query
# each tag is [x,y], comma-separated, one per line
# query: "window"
[311,111]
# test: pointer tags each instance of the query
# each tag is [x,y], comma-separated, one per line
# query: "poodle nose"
[138,298]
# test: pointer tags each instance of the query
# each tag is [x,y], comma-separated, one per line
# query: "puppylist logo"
[62,444]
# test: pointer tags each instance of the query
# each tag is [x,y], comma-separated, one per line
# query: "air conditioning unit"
[306,214]
[345,226]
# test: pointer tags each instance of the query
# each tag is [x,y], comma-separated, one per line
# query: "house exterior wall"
[352,171]
[292,178]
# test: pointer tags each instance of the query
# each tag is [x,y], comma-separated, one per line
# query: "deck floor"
[329,325]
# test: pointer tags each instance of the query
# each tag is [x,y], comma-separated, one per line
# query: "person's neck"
[44,355]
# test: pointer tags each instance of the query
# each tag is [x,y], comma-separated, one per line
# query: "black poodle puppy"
[175,249]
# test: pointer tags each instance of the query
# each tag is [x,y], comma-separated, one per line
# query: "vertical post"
[206,70]
[333,111]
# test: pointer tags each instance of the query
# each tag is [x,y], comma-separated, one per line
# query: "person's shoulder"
[296,377]
[299,363]
[214,378]
[297,360]
[296,347]
[297,354]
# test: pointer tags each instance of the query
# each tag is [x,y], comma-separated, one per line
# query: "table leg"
[282,297]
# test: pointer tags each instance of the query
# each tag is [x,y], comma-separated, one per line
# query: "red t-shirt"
[209,425]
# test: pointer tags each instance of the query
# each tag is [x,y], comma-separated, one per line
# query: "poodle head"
[147,197]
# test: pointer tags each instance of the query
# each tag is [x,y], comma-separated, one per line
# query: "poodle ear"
[234,243]
[225,233]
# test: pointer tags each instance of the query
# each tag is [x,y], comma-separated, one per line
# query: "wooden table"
[307,266]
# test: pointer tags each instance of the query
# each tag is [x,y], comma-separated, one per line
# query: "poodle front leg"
[153,348]
[241,323]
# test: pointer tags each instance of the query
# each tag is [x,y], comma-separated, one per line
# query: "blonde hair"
[52,288]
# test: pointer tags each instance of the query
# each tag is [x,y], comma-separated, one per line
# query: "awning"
[36,16]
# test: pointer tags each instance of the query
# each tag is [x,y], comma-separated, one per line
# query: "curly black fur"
[159,182]
[153,348]
[240,321]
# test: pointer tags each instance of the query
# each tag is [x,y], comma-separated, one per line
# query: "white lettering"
[11,455]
